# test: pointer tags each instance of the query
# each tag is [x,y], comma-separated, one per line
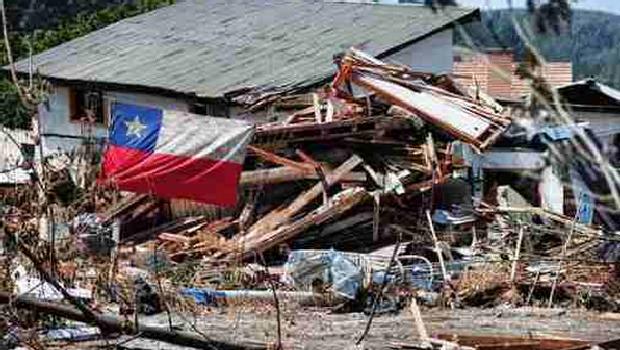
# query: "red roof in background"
[494,71]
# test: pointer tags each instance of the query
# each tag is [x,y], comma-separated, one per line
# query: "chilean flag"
[175,154]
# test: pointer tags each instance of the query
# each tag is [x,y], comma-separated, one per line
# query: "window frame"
[77,106]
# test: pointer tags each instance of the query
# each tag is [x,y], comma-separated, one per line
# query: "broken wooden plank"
[287,174]
[279,216]
[125,206]
[458,122]
[337,129]
[276,159]
[173,226]
[338,205]
[171,237]
[317,108]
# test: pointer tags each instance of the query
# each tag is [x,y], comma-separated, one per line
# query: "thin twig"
[9,54]
[161,289]
[276,302]
[379,295]
[564,248]
[87,311]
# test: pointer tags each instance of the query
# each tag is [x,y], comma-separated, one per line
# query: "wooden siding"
[494,73]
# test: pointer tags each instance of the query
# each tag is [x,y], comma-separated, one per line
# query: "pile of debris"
[375,159]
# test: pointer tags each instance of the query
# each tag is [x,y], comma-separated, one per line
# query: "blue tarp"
[330,267]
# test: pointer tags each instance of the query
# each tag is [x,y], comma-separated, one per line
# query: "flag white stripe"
[192,135]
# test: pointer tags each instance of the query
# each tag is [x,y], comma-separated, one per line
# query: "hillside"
[28,15]
[593,43]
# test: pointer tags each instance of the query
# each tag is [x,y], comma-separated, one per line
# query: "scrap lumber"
[287,174]
[317,108]
[558,218]
[171,237]
[438,250]
[170,227]
[559,267]
[206,239]
[279,216]
[417,317]
[116,324]
[339,204]
[337,129]
[461,124]
[515,260]
[124,206]
[274,158]
[457,115]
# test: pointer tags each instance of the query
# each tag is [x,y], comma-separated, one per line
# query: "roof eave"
[126,88]
[472,16]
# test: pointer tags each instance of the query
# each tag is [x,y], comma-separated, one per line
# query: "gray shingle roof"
[210,48]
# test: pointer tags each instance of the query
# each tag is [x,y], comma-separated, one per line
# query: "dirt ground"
[308,328]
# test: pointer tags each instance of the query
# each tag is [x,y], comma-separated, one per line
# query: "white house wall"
[433,54]
[62,135]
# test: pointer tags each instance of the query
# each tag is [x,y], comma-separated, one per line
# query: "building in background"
[598,105]
[493,71]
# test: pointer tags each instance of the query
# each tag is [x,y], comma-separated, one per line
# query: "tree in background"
[26,41]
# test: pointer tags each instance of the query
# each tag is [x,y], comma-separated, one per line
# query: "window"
[88,105]
[27,151]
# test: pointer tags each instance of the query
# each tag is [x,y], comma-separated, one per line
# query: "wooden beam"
[276,159]
[337,129]
[338,205]
[515,260]
[288,174]
[438,250]
[114,323]
[279,216]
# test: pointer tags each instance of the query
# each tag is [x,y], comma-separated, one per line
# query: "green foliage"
[592,44]
[12,113]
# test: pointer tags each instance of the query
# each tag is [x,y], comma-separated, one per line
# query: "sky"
[601,5]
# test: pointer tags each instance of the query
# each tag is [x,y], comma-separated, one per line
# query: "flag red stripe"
[168,176]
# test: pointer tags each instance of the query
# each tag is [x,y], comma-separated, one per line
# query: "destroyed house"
[598,105]
[209,57]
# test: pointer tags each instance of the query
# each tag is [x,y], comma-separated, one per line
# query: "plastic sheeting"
[307,268]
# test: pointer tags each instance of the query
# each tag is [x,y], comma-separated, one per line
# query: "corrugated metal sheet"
[213,47]
[11,157]
[19,135]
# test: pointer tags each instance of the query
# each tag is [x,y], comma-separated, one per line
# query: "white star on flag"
[135,127]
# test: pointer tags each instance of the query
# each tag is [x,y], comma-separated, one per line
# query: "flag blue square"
[135,126]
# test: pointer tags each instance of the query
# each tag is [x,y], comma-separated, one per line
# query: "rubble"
[383,159]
